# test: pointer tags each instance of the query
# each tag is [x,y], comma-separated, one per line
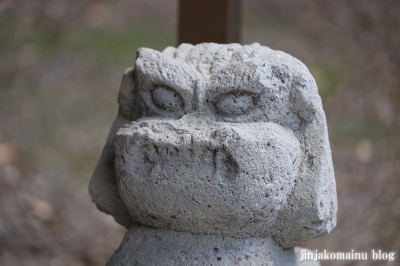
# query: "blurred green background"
[61,64]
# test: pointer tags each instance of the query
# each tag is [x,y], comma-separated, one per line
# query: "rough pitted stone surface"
[221,141]
[165,247]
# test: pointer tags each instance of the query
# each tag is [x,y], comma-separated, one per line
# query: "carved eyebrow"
[236,78]
[160,69]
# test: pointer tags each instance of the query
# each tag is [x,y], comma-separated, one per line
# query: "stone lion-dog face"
[219,139]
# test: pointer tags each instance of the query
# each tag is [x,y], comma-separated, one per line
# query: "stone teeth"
[151,153]
[186,139]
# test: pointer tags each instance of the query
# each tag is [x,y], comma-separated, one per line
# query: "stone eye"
[167,99]
[234,103]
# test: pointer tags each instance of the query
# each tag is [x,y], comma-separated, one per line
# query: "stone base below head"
[147,246]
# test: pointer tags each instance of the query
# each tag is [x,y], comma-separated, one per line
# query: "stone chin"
[201,176]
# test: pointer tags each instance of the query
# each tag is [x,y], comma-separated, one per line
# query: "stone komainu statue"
[221,142]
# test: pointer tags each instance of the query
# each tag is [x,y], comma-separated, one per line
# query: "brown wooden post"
[216,21]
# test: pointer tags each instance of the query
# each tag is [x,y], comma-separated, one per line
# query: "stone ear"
[304,98]
[127,96]
[310,208]
[103,187]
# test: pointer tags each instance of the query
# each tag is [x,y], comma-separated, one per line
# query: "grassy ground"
[60,67]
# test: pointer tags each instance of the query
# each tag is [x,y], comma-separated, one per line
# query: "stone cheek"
[222,178]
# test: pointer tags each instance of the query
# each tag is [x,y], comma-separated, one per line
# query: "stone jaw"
[204,101]
[206,180]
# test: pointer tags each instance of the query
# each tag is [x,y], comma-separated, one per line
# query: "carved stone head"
[219,139]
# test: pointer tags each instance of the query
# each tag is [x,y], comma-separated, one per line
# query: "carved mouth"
[207,160]
[187,178]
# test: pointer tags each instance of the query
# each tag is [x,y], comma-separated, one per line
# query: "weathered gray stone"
[146,246]
[220,141]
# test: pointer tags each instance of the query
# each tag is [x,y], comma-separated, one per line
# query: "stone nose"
[190,130]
